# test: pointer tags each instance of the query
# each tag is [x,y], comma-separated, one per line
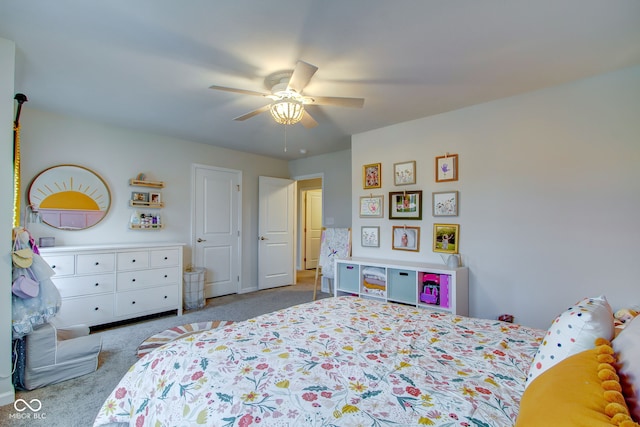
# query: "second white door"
[216,238]
[276,232]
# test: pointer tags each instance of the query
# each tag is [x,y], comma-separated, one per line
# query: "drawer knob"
[97,263]
[96,309]
[53,266]
[97,284]
[133,260]
[133,280]
[165,297]
[166,258]
[165,276]
[133,302]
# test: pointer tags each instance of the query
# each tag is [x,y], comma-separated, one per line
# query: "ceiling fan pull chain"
[285,138]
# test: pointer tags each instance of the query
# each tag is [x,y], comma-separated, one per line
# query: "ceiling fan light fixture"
[287,111]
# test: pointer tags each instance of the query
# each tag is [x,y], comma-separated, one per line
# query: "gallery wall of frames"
[408,204]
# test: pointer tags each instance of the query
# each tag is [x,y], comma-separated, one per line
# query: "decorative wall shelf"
[146,200]
[150,205]
[141,183]
[146,227]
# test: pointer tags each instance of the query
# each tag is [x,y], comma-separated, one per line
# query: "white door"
[216,232]
[276,232]
[312,227]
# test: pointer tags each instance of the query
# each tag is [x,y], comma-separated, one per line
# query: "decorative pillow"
[580,391]
[573,331]
[627,347]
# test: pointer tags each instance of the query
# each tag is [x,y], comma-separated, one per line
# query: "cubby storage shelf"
[140,183]
[405,282]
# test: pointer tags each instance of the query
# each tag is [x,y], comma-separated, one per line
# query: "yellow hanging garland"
[16,177]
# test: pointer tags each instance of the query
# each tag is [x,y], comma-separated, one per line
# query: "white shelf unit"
[434,286]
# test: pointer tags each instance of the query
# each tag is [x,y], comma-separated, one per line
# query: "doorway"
[310,220]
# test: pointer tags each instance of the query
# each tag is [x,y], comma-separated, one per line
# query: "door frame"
[192,230]
[299,232]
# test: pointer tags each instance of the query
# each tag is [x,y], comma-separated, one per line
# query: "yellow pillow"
[582,390]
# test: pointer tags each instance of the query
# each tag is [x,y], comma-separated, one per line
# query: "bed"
[337,361]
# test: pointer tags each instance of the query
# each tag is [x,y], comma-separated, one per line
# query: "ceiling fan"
[288,101]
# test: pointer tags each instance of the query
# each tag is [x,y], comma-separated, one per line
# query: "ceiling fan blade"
[253,113]
[336,101]
[308,121]
[301,76]
[242,91]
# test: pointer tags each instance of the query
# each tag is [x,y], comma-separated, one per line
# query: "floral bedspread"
[342,361]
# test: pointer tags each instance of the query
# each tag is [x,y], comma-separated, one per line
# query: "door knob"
[263,238]
[201,240]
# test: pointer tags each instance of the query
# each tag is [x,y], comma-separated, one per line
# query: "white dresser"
[107,283]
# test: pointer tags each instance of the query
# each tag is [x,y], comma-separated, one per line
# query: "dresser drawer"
[92,310]
[85,285]
[63,265]
[95,263]
[165,258]
[145,300]
[148,278]
[133,260]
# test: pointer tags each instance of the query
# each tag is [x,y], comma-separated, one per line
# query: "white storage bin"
[194,289]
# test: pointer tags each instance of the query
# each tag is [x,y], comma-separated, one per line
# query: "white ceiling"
[147,64]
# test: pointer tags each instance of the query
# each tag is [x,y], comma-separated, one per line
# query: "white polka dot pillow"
[573,331]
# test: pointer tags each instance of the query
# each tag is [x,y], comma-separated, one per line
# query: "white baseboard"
[7,397]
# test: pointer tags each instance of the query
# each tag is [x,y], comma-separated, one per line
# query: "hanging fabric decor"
[35,298]
[21,99]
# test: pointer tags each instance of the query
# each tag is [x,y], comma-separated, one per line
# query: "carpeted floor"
[74,403]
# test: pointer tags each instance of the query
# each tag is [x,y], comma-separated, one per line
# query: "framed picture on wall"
[404,173]
[447,168]
[372,176]
[446,238]
[371,206]
[445,203]
[406,238]
[370,237]
[405,205]
[137,196]
[155,198]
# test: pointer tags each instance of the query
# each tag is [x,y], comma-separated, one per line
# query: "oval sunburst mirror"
[69,197]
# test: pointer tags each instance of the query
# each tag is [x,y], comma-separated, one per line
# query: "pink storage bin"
[445,282]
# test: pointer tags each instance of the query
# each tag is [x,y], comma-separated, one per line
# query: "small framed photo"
[140,197]
[445,203]
[371,206]
[406,238]
[404,173]
[447,168]
[405,205]
[370,237]
[155,198]
[372,176]
[446,238]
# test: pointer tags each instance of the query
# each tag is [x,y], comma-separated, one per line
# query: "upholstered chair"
[59,354]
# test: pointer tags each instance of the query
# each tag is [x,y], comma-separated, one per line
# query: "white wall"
[336,172]
[549,188]
[7,66]
[117,155]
